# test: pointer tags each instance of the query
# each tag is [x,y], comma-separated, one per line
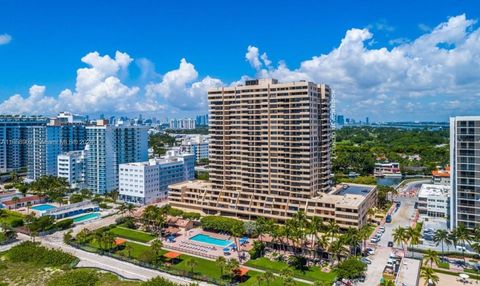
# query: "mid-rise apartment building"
[71,166]
[197,145]
[186,123]
[147,182]
[108,146]
[465,171]
[433,200]
[14,140]
[269,155]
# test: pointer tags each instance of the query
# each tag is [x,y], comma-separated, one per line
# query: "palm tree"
[431,256]
[351,238]
[337,248]
[413,234]
[370,214]
[267,277]
[399,236]
[221,262]
[441,237]
[130,209]
[387,282]
[156,246]
[428,274]
[314,227]
[364,234]
[237,231]
[332,229]
[129,249]
[463,237]
[191,263]
[15,201]
[232,266]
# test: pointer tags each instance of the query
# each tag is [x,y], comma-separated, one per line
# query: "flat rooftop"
[353,189]
[431,190]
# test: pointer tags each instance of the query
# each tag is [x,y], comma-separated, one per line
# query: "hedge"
[31,252]
[218,223]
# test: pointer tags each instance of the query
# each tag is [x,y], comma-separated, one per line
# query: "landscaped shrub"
[34,253]
[103,205]
[16,222]
[64,224]
[126,221]
[78,277]
[191,215]
[219,223]
[159,281]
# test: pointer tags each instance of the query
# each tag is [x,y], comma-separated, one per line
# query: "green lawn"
[252,281]
[7,216]
[132,234]
[312,274]
[136,250]
[443,265]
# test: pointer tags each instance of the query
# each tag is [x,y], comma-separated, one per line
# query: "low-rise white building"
[433,200]
[147,182]
[71,166]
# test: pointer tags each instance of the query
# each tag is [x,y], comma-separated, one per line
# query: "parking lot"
[401,217]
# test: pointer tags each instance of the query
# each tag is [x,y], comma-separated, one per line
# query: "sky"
[386,60]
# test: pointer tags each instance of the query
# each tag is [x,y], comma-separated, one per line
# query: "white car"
[374,240]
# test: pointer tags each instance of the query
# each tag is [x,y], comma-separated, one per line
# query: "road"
[402,218]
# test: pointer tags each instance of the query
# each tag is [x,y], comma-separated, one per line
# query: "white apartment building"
[197,145]
[433,200]
[465,171]
[147,182]
[71,166]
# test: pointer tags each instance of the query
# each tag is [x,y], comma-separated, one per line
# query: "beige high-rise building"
[269,151]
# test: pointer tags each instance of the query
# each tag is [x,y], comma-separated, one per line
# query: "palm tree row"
[313,235]
[458,236]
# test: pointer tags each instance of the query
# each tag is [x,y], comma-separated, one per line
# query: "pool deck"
[184,244]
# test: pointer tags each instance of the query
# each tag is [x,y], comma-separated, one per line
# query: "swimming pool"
[85,217]
[43,208]
[211,240]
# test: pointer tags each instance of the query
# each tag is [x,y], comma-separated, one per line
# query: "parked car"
[390,244]
[370,251]
[365,260]
[374,240]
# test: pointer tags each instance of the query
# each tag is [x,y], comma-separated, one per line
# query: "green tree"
[428,275]
[221,262]
[463,237]
[268,277]
[350,268]
[191,263]
[431,256]
[156,247]
[441,237]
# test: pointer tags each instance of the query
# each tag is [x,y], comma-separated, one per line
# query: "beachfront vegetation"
[221,224]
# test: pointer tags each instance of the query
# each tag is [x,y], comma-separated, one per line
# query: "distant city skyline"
[390,62]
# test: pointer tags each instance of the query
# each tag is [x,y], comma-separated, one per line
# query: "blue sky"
[43,44]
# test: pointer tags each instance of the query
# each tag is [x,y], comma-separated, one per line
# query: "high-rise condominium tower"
[465,171]
[269,151]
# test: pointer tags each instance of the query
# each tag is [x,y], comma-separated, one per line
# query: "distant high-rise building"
[465,171]
[67,117]
[340,120]
[367,121]
[201,120]
[186,123]
[47,142]
[14,140]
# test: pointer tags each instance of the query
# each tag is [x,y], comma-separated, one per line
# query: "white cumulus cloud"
[5,39]
[441,65]
[182,89]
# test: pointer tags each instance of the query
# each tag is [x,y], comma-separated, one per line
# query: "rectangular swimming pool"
[85,217]
[211,240]
[43,208]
